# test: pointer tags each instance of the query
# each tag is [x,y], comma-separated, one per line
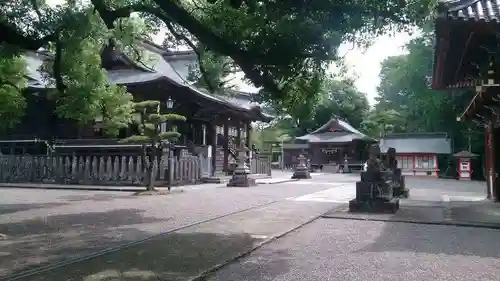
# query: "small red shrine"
[464,165]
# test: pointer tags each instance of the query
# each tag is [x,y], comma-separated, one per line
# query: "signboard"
[464,165]
[335,128]
[330,150]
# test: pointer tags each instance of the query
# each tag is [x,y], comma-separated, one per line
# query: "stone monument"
[242,175]
[301,171]
[395,174]
[374,192]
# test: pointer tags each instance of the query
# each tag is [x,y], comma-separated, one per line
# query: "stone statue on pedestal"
[302,169]
[374,191]
[398,180]
[242,174]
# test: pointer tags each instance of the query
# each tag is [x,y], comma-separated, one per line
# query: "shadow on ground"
[169,257]
[437,239]
[481,212]
[97,197]
[429,213]
[14,208]
[36,242]
[268,263]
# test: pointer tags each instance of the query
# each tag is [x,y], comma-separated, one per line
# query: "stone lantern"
[301,171]
[242,175]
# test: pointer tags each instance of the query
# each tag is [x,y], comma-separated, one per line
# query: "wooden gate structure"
[467,56]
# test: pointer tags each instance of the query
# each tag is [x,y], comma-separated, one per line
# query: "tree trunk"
[149,169]
[150,179]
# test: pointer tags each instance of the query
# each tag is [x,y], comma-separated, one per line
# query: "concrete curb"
[280,181]
[208,273]
[76,188]
[444,223]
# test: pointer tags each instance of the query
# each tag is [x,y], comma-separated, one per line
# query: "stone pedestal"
[242,175]
[373,197]
[399,185]
[374,206]
[375,193]
[301,171]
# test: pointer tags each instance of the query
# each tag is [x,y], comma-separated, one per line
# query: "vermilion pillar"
[490,163]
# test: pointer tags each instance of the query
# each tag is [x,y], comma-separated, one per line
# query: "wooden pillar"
[490,162]
[248,128]
[496,184]
[203,134]
[212,128]
[238,135]
[193,128]
[226,150]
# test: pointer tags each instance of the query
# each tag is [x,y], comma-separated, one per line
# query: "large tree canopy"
[275,43]
[335,99]
[407,104]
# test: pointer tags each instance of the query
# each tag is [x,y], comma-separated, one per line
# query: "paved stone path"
[47,226]
[348,250]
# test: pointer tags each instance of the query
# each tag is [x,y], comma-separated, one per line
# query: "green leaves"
[284,47]
[174,117]
[379,122]
[135,139]
[150,121]
[146,105]
[84,92]
[169,135]
[12,83]
[212,71]
[406,102]
[331,98]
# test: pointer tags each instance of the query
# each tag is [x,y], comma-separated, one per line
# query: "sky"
[366,64]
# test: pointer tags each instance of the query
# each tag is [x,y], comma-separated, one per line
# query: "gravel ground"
[330,249]
[44,226]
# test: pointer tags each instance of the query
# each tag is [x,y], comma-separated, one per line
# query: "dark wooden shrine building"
[212,120]
[331,145]
[467,56]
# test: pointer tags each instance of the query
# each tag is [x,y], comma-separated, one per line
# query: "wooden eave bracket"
[471,108]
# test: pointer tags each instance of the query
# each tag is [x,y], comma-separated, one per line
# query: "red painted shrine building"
[417,153]
[467,57]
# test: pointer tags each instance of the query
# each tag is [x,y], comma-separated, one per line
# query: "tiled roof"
[424,135]
[340,124]
[473,10]
[417,143]
[345,133]
[465,154]
[157,68]
[121,76]
[333,137]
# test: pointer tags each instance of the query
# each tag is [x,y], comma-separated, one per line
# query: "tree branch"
[182,17]
[15,37]
[37,9]
[9,83]
[171,11]
[56,67]
[201,66]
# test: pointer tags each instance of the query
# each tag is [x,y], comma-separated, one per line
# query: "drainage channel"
[31,272]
